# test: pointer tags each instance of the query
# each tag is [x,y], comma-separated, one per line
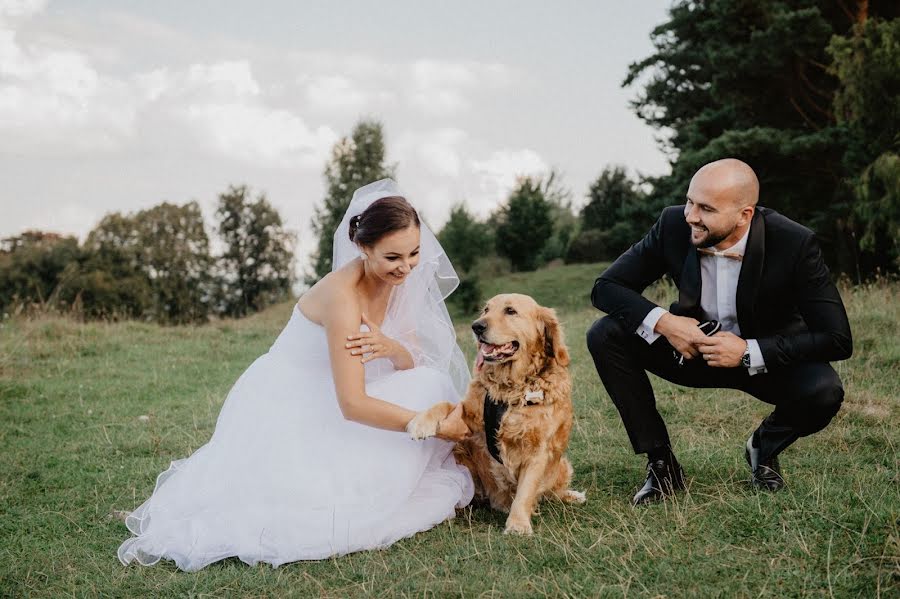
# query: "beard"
[714,238]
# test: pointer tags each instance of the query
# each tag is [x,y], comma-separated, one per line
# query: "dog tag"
[536,395]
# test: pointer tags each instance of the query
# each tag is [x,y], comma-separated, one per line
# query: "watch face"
[745,359]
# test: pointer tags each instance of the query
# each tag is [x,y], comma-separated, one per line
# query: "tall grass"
[91,413]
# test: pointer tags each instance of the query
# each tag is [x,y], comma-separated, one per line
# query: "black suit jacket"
[785,297]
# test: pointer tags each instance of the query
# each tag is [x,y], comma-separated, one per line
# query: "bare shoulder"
[333,296]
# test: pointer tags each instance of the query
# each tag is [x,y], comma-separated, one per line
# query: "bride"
[307,460]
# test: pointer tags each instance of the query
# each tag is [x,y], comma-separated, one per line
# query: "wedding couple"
[308,459]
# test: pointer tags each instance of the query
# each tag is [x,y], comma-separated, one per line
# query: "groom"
[762,278]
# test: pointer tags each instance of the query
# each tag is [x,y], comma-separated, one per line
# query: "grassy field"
[91,413]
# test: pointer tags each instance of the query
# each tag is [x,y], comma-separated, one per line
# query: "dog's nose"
[479,327]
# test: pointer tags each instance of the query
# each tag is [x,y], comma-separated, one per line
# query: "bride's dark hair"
[382,217]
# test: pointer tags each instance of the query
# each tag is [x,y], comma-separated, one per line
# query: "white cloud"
[431,73]
[335,93]
[51,96]
[153,84]
[439,151]
[262,136]
[21,8]
[443,88]
[226,111]
[55,100]
[497,174]
[228,78]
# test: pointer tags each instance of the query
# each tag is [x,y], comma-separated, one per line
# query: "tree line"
[807,92]
[538,222]
[155,264]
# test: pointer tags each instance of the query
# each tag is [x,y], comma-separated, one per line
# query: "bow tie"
[729,255]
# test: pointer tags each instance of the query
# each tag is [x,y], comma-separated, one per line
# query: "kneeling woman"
[307,460]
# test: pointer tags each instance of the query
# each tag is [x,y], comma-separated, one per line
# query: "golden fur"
[533,436]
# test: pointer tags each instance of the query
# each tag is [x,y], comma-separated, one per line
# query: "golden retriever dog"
[519,408]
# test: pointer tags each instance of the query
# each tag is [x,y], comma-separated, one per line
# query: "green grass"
[75,450]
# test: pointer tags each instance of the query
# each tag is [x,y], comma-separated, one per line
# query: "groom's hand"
[723,350]
[681,332]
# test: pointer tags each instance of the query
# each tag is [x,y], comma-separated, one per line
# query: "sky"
[120,105]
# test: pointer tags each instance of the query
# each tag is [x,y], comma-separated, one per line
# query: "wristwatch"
[745,359]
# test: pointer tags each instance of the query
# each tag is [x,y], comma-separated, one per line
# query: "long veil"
[416,316]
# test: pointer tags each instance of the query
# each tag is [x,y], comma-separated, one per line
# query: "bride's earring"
[364,255]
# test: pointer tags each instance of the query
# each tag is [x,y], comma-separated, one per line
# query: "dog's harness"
[493,415]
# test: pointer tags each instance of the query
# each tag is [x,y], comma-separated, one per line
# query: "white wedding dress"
[285,477]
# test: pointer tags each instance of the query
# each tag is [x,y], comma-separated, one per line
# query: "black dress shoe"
[664,477]
[765,475]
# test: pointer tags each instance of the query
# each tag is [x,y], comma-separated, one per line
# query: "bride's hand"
[453,427]
[372,344]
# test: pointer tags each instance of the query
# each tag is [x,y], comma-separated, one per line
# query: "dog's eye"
[511,311]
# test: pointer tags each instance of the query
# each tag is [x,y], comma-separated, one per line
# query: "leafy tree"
[174,251]
[591,245]
[565,222]
[93,292]
[609,198]
[465,239]
[111,281]
[169,246]
[615,216]
[751,80]
[257,263]
[32,266]
[524,224]
[355,161]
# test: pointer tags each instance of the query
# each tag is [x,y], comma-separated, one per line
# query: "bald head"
[721,201]
[729,179]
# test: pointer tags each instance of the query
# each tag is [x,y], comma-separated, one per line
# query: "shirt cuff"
[757,363]
[645,330]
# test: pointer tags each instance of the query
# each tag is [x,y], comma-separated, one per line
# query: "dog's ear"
[554,345]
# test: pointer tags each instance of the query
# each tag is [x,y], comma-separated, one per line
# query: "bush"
[596,245]
[32,266]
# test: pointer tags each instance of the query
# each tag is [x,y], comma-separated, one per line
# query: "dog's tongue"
[479,361]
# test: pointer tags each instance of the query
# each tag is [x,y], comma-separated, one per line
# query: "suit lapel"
[690,285]
[751,272]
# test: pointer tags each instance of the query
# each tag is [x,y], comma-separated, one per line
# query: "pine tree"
[751,80]
[615,216]
[465,239]
[524,224]
[867,105]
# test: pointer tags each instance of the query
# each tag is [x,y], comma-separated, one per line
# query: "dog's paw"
[572,496]
[425,423]
[518,527]
[422,426]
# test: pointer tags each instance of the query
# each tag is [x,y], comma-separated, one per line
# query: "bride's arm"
[349,374]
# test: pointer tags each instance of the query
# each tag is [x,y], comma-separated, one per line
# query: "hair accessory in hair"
[416,315]
[354,225]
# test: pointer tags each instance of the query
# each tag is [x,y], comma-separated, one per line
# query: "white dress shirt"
[718,300]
